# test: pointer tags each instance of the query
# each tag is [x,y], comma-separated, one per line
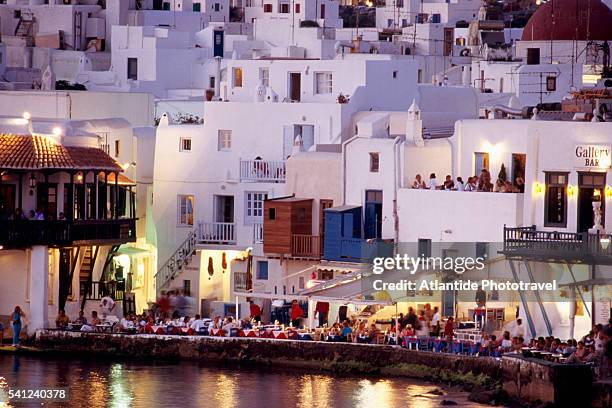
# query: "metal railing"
[175,263]
[257,233]
[217,232]
[24,233]
[262,171]
[581,246]
[306,245]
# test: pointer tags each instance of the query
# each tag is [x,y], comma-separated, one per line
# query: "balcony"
[21,234]
[553,246]
[258,233]
[222,233]
[262,171]
[308,246]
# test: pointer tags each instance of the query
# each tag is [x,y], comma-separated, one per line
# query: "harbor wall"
[527,380]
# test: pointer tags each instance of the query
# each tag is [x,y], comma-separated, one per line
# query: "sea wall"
[525,379]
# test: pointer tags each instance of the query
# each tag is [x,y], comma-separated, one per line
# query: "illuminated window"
[555,211]
[185,210]
[237,77]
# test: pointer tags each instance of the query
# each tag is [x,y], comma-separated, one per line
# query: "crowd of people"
[481,182]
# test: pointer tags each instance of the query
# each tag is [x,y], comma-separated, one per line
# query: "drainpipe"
[396,186]
[217,77]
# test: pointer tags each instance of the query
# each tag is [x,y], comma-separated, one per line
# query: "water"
[101,383]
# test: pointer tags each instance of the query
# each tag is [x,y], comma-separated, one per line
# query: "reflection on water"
[96,383]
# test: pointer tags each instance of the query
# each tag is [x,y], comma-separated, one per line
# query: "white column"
[39,286]
[311,312]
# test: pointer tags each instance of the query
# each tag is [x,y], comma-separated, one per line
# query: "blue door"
[372,225]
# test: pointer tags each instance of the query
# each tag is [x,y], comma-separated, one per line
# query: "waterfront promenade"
[525,379]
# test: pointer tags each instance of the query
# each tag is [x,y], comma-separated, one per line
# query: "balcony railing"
[306,245]
[223,233]
[262,171]
[22,233]
[527,242]
[257,233]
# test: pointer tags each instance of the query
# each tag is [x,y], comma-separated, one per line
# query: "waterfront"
[102,383]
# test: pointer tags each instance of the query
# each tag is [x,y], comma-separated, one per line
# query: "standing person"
[435,321]
[296,313]
[449,331]
[255,311]
[107,305]
[16,319]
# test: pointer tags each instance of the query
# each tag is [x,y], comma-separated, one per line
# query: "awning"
[128,250]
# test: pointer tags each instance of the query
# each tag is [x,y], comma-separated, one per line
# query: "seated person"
[95,320]
[62,321]
[214,324]
[419,182]
[346,330]
[228,326]
[198,324]
[81,319]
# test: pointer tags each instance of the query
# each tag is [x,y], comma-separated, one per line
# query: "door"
[481,161]
[224,208]
[591,188]
[322,11]
[372,226]
[519,161]
[7,199]
[65,283]
[295,84]
[323,204]
[46,199]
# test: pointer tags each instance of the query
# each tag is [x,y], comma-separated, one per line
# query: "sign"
[593,156]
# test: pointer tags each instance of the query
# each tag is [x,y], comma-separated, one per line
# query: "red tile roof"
[25,152]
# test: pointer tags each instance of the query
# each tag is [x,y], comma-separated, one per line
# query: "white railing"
[262,171]
[257,233]
[216,232]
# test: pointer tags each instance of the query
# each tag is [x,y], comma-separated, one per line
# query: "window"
[132,68]
[267,8]
[117,145]
[555,200]
[322,14]
[325,274]
[16,13]
[237,77]
[254,206]
[187,287]
[551,83]
[197,7]
[272,213]
[225,140]
[420,76]
[185,144]
[323,82]
[297,7]
[264,76]
[262,270]
[301,214]
[394,74]
[185,210]
[481,162]
[374,162]
[424,248]
[284,9]
[211,82]
[216,7]
[166,5]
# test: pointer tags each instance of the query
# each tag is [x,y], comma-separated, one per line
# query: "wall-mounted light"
[538,188]
[32,181]
[596,194]
[57,131]
[571,190]
[608,191]
[27,115]
[79,177]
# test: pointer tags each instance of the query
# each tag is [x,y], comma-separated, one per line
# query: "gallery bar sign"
[593,156]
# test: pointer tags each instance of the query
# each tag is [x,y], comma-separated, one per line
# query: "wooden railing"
[24,233]
[262,171]
[581,246]
[217,233]
[257,233]
[306,245]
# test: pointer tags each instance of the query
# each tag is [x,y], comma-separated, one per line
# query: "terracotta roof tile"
[27,152]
